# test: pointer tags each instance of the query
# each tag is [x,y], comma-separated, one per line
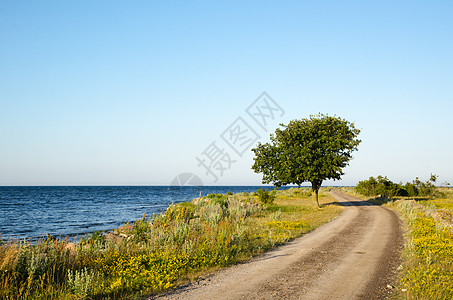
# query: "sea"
[31,212]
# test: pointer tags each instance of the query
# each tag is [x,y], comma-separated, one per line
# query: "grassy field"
[157,253]
[427,270]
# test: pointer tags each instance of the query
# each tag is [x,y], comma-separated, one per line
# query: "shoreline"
[156,204]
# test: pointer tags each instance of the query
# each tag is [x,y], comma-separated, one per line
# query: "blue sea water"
[32,212]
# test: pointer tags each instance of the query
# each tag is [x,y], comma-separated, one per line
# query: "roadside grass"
[428,255]
[159,252]
[427,269]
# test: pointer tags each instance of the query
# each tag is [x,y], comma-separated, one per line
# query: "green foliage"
[141,230]
[384,187]
[82,283]
[265,196]
[307,150]
[219,199]
[427,188]
[381,186]
[97,236]
[411,190]
[367,187]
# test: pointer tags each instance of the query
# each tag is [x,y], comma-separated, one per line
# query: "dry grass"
[8,257]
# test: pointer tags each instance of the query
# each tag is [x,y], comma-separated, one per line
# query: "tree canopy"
[307,150]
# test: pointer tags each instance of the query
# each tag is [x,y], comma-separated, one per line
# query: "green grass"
[157,253]
[287,208]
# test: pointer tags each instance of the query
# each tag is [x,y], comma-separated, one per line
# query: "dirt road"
[353,257]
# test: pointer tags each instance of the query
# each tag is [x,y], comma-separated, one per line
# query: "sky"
[140,92]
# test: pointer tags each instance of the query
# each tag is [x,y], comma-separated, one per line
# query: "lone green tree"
[307,150]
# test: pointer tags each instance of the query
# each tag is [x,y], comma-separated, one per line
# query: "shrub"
[83,282]
[379,186]
[411,189]
[266,196]
[219,199]
[141,230]
[384,187]
[427,188]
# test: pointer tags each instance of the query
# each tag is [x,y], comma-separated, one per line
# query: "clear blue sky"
[114,92]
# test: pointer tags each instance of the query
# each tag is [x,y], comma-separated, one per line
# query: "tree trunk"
[315,186]
[315,197]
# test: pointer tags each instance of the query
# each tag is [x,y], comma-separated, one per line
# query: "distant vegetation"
[157,253]
[382,186]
